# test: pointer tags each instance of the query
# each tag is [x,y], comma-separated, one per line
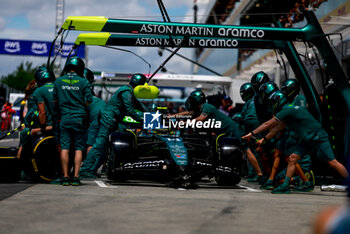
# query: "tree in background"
[20,77]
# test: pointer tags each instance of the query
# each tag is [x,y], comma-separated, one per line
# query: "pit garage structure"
[333,112]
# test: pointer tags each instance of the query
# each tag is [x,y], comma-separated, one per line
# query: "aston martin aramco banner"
[35,48]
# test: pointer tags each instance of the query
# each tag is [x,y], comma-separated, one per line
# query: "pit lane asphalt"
[149,207]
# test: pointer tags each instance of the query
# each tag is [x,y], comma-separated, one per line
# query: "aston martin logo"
[71,82]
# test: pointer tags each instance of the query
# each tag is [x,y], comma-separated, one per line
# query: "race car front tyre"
[112,172]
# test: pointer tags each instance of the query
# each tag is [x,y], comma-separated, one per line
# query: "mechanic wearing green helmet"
[289,144]
[300,121]
[43,96]
[263,111]
[197,105]
[269,150]
[250,122]
[291,88]
[122,103]
[294,146]
[72,94]
[28,118]
[95,109]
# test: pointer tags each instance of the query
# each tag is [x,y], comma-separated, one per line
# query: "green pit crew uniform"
[95,110]
[122,103]
[263,111]
[251,122]
[30,120]
[44,94]
[250,119]
[290,143]
[307,128]
[71,93]
[228,127]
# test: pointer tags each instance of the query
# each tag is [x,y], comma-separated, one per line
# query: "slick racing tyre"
[121,146]
[41,158]
[9,165]
[115,174]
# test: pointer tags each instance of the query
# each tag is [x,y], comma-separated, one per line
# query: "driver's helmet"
[43,75]
[277,100]
[238,118]
[290,88]
[195,99]
[266,90]
[89,75]
[258,79]
[137,79]
[247,91]
[75,64]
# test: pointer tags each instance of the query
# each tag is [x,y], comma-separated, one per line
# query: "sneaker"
[254,179]
[65,181]
[297,181]
[268,185]
[282,189]
[305,187]
[311,177]
[75,181]
[57,181]
[88,175]
[263,179]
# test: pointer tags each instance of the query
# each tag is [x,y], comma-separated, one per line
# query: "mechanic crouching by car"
[203,111]
[122,103]
[305,126]
[72,94]
[95,109]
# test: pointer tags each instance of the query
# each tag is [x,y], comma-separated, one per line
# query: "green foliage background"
[20,77]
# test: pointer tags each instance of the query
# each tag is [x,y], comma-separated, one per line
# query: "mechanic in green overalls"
[122,103]
[28,118]
[268,159]
[72,95]
[263,113]
[262,109]
[204,111]
[291,88]
[250,122]
[290,144]
[305,126]
[43,96]
[95,109]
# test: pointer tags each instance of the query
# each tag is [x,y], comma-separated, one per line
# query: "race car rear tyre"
[40,159]
[10,168]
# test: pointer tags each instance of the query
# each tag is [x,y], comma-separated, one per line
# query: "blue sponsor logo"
[152,120]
